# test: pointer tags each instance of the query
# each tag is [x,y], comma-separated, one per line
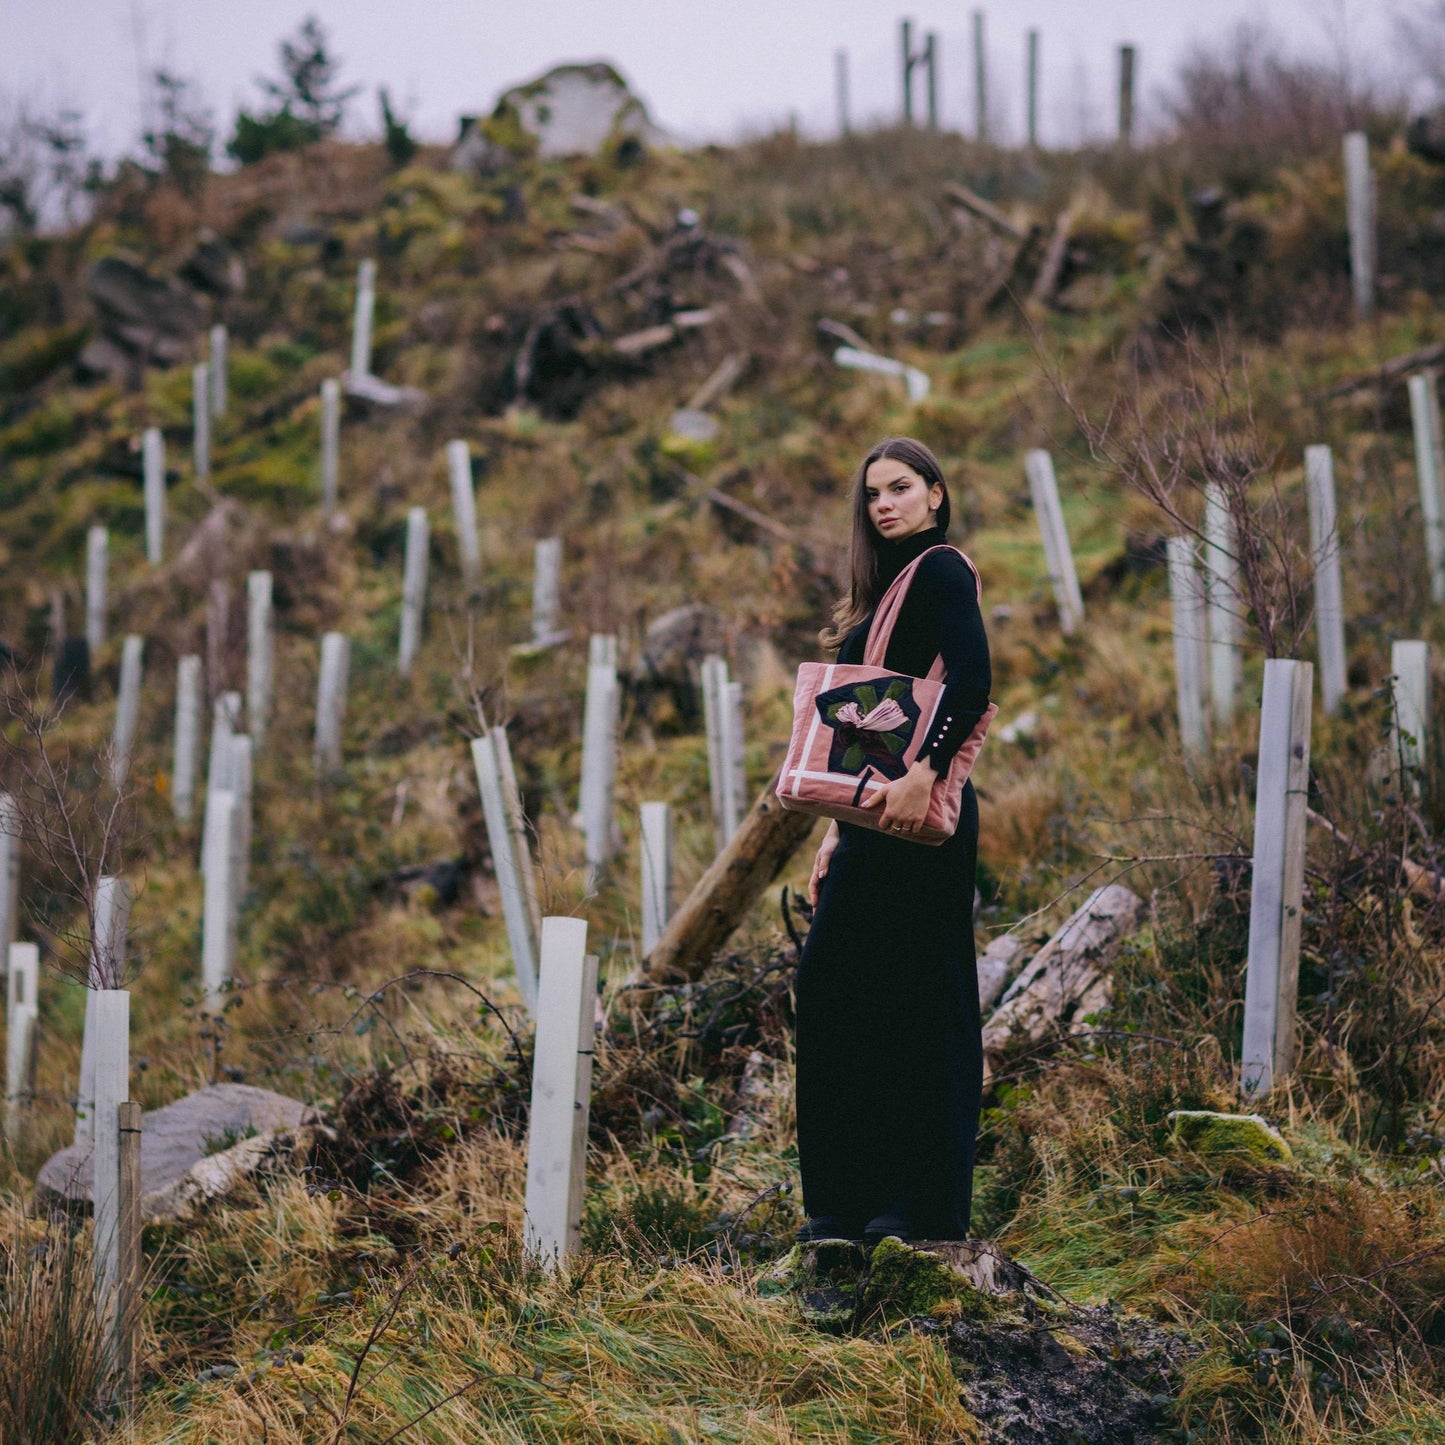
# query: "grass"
[381,1290]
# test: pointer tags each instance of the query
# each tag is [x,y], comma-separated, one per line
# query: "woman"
[890,1055]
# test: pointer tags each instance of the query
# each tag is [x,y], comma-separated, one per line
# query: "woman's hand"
[905,800]
[821,861]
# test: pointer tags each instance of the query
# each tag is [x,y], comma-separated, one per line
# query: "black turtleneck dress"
[889,1048]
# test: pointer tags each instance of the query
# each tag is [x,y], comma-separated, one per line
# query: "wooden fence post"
[1044,487]
[128,1312]
[1329,588]
[1276,895]
[561,1091]
[1031,87]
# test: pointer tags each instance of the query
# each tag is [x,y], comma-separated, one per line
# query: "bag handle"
[880,634]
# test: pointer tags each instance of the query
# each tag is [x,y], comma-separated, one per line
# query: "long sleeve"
[943,604]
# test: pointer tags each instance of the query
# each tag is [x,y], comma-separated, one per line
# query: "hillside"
[357,1286]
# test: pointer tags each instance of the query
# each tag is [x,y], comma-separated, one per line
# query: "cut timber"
[1066,979]
[1046,287]
[986,211]
[1368,385]
[763,843]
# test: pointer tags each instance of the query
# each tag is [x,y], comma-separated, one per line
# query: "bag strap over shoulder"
[880,634]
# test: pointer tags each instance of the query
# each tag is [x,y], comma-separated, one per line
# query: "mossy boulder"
[1215,1135]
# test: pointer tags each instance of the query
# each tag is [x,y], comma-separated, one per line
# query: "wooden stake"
[1329,589]
[1032,88]
[840,86]
[561,1091]
[128,1313]
[980,81]
[1126,96]
[1276,896]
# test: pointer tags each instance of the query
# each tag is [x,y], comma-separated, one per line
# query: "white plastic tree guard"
[1329,586]
[153,468]
[413,589]
[97,578]
[509,863]
[656,872]
[722,722]
[260,654]
[330,442]
[10,833]
[1276,896]
[188,736]
[331,699]
[1222,591]
[127,710]
[561,1091]
[110,924]
[599,766]
[225,719]
[218,927]
[1186,594]
[218,631]
[1360,218]
[464,512]
[521,833]
[361,324]
[22,1009]
[1430,470]
[1410,717]
[547,593]
[601,652]
[220,365]
[112,1089]
[1058,557]
[201,420]
[241,790]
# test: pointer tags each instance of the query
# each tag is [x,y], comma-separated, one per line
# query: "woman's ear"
[935,497]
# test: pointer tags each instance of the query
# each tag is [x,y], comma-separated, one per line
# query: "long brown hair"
[865,549]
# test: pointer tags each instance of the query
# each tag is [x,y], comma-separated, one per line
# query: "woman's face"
[900,502]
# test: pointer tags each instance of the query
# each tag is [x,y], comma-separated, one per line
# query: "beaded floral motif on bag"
[872,723]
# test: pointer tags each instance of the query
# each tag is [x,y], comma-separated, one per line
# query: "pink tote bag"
[857,727]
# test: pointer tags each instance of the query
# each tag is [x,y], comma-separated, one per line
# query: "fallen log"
[1066,979]
[1421,881]
[1046,285]
[996,966]
[763,843]
[986,211]
[1383,377]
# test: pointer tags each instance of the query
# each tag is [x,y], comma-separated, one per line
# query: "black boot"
[829,1226]
[896,1222]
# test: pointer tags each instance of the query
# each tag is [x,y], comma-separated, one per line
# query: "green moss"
[1213,1135]
[905,1281]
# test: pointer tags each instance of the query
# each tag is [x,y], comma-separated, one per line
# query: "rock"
[214,267]
[1215,1135]
[693,425]
[571,110]
[676,643]
[194,1150]
[150,317]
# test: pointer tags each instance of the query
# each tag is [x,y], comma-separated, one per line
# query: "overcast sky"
[708,71]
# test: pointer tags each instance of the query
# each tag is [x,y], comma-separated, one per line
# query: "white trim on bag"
[813,731]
